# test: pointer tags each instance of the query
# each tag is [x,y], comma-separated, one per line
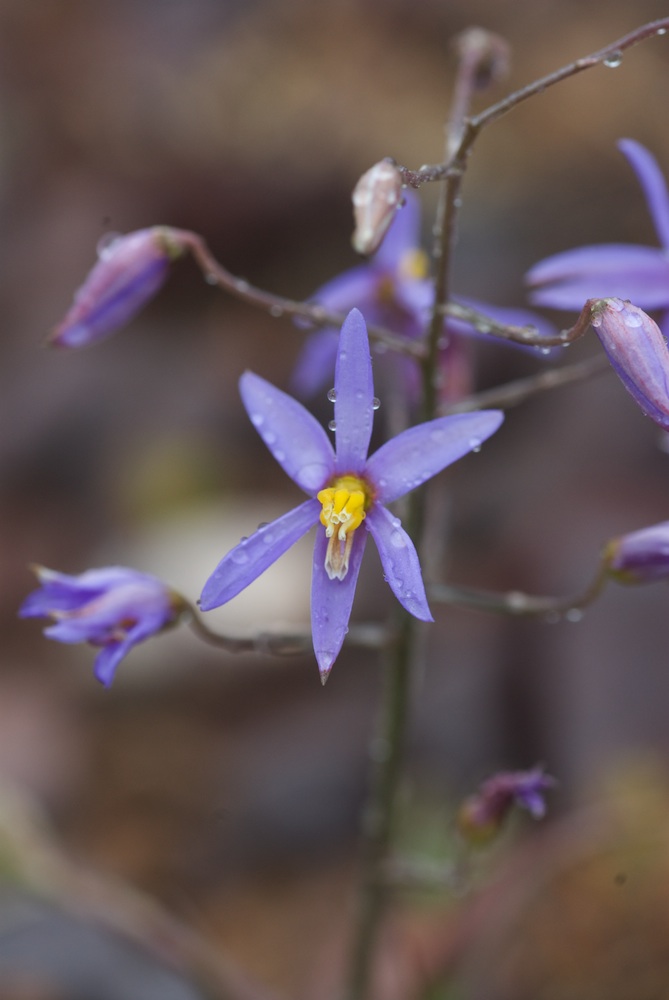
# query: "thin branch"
[522,389]
[277,305]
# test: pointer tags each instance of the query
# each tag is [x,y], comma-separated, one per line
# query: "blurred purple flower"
[129,272]
[113,607]
[623,270]
[638,352]
[640,556]
[482,814]
[393,289]
[347,491]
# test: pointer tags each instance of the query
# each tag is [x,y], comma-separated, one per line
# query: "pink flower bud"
[638,351]
[639,557]
[376,198]
[129,272]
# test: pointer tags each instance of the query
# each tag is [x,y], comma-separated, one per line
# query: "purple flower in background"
[482,814]
[623,270]
[114,608]
[640,556]
[347,491]
[129,272]
[638,352]
[393,289]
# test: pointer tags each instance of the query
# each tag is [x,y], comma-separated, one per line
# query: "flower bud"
[638,351]
[639,557]
[486,53]
[481,815]
[376,198]
[129,272]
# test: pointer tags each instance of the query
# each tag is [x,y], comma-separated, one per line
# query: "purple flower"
[482,814]
[393,289]
[639,557]
[623,270]
[129,272]
[114,608]
[347,492]
[636,348]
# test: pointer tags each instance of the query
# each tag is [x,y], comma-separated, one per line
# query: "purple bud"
[638,351]
[129,272]
[376,198]
[639,557]
[481,815]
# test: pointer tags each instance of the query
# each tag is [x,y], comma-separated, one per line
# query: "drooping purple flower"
[347,491]
[482,814]
[129,272]
[638,352]
[114,608]
[621,270]
[640,556]
[393,289]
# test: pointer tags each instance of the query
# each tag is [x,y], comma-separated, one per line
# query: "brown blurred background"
[230,789]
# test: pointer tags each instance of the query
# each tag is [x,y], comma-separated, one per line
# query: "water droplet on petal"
[106,244]
[276,311]
[613,60]
[257,419]
[211,278]
[661,31]
[279,455]
[269,437]
[332,425]
[475,444]
[376,403]
[633,320]
[239,556]
[332,395]
[397,539]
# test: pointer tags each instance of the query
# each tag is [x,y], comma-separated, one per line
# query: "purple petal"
[610,270]
[315,365]
[243,564]
[355,287]
[292,434]
[399,559]
[403,235]
[354,413]
[421,452]
[653,184]
[331,601]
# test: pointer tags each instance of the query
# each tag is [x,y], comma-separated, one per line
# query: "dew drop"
[596,319]
[661,31]
[613,60]
[257,419]
[268,538]
[269,437]
[211,278]
[396,523]
[106,243]
[475,444]
[279,455]
[239,556]
[376,403]
[332,425]
[574,615]
[332,395]
[633,320]
[397,539]
[276,311]
[262,525]
[544,350]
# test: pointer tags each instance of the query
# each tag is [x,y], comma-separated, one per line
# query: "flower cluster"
[481,815]
[348,492]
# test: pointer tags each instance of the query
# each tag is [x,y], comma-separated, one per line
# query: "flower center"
[344,505]
[414,264]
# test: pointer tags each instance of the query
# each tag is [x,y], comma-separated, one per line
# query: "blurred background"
[229,789]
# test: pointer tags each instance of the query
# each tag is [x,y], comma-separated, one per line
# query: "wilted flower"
[636,348]
[481,816]
[129,272]
[394,290]
[347,490]
[624,270]
[114,608]
[639,557]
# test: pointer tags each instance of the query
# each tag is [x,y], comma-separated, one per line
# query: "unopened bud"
[636,348]
[129,272]
[376,198]
[488,54]
[481,815]
[639,557]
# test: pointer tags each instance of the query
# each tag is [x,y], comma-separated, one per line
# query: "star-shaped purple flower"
[620,270]
[394,290]
[114,608]
[348,492]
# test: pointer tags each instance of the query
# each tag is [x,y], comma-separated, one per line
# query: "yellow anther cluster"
[343,511]
[414,264]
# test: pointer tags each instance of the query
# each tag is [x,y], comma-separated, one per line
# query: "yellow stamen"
[414,264]
[344,505]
